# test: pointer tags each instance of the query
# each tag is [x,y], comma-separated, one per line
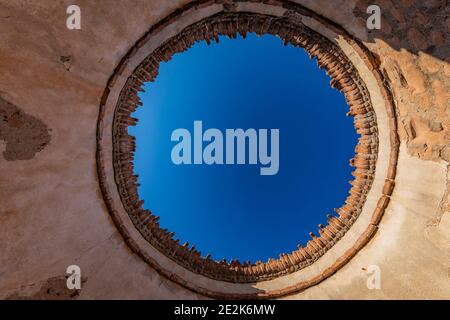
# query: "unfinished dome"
[348,64]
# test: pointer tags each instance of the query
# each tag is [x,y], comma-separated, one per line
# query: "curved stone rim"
[344,78]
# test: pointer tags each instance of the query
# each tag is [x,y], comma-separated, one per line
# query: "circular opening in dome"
[119,182]
[266,202]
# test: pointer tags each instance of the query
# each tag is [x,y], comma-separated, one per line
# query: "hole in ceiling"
[231,211]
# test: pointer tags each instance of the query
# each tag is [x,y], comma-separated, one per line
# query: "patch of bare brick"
[344,77]
[24,134]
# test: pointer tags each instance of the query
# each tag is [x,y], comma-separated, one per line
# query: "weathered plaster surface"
[52,214]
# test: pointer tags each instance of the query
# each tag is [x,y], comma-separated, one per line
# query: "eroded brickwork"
[414,52]
[52,212]
[344,77]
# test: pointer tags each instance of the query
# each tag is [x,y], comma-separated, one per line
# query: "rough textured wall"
[52,214]
[24,135]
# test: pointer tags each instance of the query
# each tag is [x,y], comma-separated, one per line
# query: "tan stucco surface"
[52,213]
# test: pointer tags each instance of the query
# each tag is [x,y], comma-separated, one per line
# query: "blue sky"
[231,211]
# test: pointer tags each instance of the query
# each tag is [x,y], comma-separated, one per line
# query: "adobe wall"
[53,213]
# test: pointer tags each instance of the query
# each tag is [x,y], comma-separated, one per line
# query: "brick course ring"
[231,18]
